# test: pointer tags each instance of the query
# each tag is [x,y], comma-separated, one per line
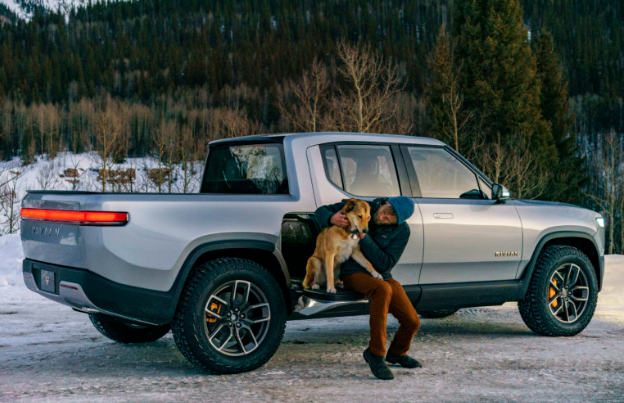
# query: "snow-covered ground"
[49,353]
[11,256]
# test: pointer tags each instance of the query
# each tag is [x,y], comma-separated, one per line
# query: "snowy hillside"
[69,171]
[25,8]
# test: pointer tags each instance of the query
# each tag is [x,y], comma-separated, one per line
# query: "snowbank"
[11,256]
[611,295]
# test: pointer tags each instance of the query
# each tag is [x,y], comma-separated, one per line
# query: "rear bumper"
[88,292]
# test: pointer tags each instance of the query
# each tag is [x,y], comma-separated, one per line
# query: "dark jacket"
[382,246]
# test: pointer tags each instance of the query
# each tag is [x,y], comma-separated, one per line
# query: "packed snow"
[11,256]
[49,353]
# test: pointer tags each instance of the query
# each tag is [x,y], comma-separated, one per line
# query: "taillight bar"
[80,217]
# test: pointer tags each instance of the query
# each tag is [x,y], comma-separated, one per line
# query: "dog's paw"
[376,275]
[339,284]
[331,290]
[315,286]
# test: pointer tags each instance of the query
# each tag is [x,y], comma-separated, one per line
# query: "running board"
[341,295]
[322,304]
[308,308]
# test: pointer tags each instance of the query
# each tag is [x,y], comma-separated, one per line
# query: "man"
[383,246]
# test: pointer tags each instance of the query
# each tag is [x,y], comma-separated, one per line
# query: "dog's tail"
[313,267]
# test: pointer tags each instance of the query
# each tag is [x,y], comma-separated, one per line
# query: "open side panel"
[298,234]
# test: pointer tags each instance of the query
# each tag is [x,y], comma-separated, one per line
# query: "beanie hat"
[404,207]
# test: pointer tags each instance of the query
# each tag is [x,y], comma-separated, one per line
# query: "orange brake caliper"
[216,308]
[551,293]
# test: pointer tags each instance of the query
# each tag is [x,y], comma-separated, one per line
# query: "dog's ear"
[350,204]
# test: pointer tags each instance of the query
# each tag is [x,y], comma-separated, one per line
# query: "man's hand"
[339,220]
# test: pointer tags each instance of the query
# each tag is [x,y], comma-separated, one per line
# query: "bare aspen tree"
[143,182]
[171,156]
[75,173]
[524,172]
[310,97]
[106,143]
[47,178]
[9,198]
[165,150]
[234,123]
[403,122]
[445,101]
[366,106]
[186,152]
[608,184]
[512,164]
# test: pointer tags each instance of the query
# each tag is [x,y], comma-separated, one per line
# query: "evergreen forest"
[531,91]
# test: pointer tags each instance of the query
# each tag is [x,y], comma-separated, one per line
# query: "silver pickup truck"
[223,268]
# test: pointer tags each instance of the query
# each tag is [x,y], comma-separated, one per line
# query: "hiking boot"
[378,365]
[404,360]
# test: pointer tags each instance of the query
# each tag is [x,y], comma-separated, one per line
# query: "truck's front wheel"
[231,316]
[562,294]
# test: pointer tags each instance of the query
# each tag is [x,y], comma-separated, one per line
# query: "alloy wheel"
[568,293]
[237,318]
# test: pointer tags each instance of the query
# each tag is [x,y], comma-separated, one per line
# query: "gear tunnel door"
[329,170]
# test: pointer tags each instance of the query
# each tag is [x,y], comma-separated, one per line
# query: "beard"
[376,220]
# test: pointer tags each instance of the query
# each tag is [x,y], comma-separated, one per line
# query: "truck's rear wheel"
[127,332]
[562,295]
[231,316]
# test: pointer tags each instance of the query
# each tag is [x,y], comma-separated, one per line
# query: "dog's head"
[358,214]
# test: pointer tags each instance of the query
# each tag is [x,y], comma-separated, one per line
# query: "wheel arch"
[580,240]
[261,252]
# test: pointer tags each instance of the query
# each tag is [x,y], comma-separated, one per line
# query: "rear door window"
[246,169]
[332,168]
[362,170]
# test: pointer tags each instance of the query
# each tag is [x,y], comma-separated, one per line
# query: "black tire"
[441,313]
[127,332]
[200,330]
[547,318]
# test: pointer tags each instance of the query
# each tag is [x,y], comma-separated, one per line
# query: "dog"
[335,245]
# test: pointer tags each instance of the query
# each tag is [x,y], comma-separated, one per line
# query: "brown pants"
[386,296]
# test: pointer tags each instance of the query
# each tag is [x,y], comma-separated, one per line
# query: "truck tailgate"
[54,241]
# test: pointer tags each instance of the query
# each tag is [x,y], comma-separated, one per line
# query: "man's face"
[383,215]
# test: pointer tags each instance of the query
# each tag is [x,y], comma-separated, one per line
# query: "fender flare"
[530,267]
[195,255]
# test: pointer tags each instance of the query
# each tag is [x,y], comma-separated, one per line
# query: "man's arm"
[324,213]
[384,260]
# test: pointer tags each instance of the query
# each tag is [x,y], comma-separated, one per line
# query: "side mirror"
[500,193]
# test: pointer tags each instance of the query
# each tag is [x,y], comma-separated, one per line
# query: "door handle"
[444,216]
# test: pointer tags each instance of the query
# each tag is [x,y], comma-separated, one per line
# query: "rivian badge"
[506,254]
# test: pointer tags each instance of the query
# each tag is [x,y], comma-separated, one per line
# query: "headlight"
[601,222]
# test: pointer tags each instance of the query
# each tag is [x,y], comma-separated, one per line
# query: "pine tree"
[499,80]
[570,174]
[447,115]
